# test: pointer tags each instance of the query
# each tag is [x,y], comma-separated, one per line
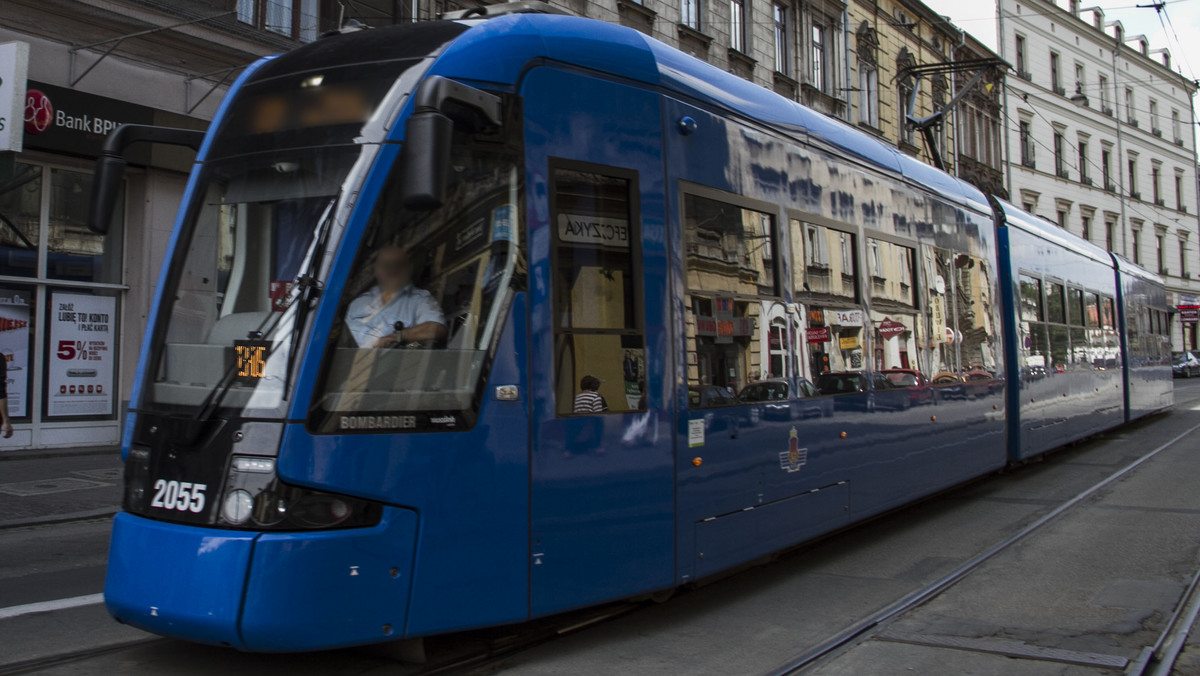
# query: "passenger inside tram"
[394,312]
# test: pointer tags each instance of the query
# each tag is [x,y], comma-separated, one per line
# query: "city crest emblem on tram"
[794,457]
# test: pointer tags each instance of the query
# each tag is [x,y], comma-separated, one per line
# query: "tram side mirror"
[110,167]
[426,159]
[106,189]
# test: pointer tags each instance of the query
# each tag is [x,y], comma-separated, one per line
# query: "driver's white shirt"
[369,319]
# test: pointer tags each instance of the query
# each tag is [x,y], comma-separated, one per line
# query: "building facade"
[1100,137]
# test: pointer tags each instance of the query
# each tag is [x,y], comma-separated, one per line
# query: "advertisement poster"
[82,340]
[14,347]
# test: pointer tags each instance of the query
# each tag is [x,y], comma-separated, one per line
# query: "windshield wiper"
[307,289]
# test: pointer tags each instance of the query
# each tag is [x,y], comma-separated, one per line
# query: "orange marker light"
[933,418]
[697,461]
[843,435]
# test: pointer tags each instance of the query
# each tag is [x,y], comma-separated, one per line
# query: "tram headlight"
[255,498]
[237,506]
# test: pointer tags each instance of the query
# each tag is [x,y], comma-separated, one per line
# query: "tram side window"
[944,363]
[598,329]
[825,279]
[1034,348]
[1106,354]
[1056,316]
[731,287]
[973,318]
[1080,350]
[893,312]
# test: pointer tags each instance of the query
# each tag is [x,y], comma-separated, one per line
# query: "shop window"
[17,323]
[599,334]
[73,251]
[731,277]
[81,357]
[21,221]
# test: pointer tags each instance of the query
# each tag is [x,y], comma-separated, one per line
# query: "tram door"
[602,507]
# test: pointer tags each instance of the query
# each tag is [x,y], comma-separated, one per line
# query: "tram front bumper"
[270,592]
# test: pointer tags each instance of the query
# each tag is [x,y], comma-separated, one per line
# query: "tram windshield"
[426,300]
[256,230]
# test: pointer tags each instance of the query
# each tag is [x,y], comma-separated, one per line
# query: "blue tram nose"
[302,591]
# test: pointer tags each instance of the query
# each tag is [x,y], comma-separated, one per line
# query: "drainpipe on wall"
[1004,115]
[846,88]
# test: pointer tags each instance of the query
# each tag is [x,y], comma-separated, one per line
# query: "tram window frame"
[1039,313]
[1055,290]
[825,311]
[742,307]
[1108,312]
[1091,309]
[1076,306]
[801,227]
[632,335]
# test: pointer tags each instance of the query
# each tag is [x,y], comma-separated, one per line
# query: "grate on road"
[106,474]
[25,489]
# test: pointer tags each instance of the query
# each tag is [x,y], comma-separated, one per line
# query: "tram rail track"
[37,664]
[1156,660]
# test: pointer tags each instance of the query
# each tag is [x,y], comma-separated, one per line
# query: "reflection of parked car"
[809,404]
[949,386]
[919,392]
[812,404]
[765,390]
[1184,364]
[841,383]
[708,396]
[981,383]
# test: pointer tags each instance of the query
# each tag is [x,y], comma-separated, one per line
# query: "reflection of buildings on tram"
[729,267]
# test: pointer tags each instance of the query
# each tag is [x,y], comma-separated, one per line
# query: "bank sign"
[69,121]
[14,64]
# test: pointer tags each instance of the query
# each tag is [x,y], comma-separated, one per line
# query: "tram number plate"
[180,496]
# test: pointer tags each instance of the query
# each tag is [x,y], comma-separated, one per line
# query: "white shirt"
[369,319]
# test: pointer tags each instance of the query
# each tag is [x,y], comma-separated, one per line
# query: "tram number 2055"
[181,496]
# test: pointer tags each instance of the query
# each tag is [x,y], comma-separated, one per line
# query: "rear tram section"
[794,327]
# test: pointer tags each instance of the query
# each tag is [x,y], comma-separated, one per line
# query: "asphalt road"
[755,620]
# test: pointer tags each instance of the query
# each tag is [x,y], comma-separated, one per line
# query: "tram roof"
[512,41]
[1040,227]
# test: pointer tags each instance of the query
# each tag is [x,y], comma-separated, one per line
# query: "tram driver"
[394,311]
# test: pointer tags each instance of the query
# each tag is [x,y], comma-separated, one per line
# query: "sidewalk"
[52,486]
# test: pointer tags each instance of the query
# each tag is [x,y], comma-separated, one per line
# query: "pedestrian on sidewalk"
[5,426]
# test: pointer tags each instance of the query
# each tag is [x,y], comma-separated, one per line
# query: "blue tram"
[479,320]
